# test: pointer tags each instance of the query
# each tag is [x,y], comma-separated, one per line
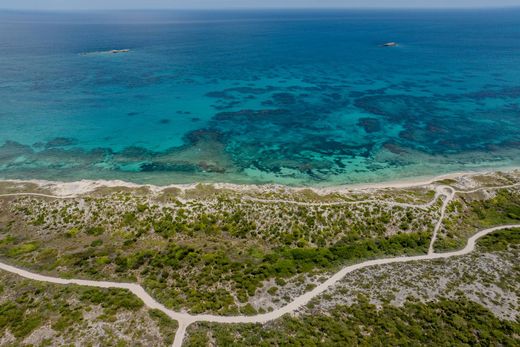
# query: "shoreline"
[186,319]
[63,188]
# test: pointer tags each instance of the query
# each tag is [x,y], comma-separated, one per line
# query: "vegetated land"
[214,250]
[489,276]
[470,300]
[469,212]
[39,314]
[203,249]
[443,323]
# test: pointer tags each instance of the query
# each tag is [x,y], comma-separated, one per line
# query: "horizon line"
[238,8]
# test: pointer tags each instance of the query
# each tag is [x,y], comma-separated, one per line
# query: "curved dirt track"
[185,319]
[449,194]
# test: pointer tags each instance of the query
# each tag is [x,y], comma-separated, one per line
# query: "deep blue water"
[294,97]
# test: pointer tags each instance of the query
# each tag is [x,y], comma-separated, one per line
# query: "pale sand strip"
[70,189]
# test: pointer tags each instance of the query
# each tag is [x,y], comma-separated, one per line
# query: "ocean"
[290,97]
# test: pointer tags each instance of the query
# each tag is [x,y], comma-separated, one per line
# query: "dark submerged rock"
[371,125]
[61,142]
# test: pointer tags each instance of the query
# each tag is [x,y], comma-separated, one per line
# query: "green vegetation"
[22,249]
[446,322]
[212,253]
[469,214]
[111,300]
[177,269]
[167,326]
[500,241]
[72,232]
[246,276]
[19,322]
[210,250]
[72,311]
[504,208]
[95,231]
[279,224]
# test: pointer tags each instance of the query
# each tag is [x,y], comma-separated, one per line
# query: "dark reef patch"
[228,94]
[334,96]
[398,108]
[134,153]
[394,148]
[61,142]
[500,93]
[371,125]
[11,150]
[284,99]
[300,133]
[201,135]
[208,167]
[305,133]
[169,167]
[220,95]
[251,115]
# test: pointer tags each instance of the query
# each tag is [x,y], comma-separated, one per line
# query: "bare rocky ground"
[489,279]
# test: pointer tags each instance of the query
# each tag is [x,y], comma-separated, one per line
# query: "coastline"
[185,319]
[62,188]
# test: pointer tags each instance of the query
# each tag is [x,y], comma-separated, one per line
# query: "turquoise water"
[299,97]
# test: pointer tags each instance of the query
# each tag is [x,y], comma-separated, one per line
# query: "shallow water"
[258,97]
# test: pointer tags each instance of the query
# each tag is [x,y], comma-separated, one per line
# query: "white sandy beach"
[60,188]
